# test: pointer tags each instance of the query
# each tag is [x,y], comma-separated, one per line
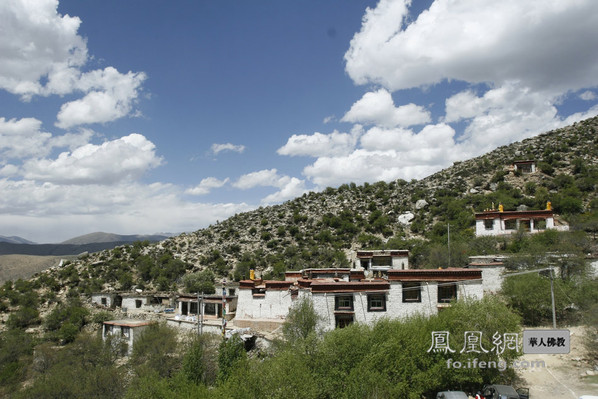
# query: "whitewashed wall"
[274,304]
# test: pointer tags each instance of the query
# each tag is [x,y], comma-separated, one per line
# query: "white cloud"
[378,108]
[543,44]
[56,212]
[42,54]
[37,42]
[588,95]
[291,188]
[218,148]
[24,138]
[206,185]
[265,177]
[319,144]
[388,154]
[504,115]
[112,96]
[125,158]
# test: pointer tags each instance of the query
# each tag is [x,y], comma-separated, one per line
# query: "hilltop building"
[500,222]
[525,167]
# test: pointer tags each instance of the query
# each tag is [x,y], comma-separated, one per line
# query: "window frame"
[377,297]
[344,307]
[445,288]
[409,287]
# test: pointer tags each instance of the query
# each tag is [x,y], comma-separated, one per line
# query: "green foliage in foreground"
[388,359]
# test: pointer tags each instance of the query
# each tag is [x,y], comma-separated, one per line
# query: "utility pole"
[552,296]
[199,313]
[448,227]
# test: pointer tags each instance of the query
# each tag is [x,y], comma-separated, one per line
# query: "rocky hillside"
[321,229]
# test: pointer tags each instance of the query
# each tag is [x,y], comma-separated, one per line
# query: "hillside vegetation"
[321,229]
[318,230]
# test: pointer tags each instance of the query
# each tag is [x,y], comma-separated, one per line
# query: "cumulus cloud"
[25,138]
[125,158]
[468,40]
[388,154]
[218,148]
[42,54]
[378,108]
[265,177]
[38,42]
[110,95]
[206,185]
[318,144]
[588,95]
[57,212]
[289,187]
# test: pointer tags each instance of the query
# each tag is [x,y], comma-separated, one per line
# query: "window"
[489,224]
[259,292]
[377,303]
[447,293]
[382,261]
[125,331]
[412,292]
[210,309]
[104,301]
[137,303]
[343,320]
[343,302]
[540,224]
[511,224]
[365,263]
[231,292]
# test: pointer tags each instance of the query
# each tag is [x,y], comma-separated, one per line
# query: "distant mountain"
[93,242]
[15,240]
[101,237]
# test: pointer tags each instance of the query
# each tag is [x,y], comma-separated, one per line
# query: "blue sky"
[152,116]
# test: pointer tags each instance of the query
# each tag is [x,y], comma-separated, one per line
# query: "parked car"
[451,395]
[504,392]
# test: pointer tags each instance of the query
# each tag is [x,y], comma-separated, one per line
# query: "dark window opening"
[376,303]
[231,292]
[210,309]
[104,301]
[489,224]
[343,302]
[412,292]
[511,224]
[342,321]
[193,308]
[365,263]
[137,303]
[447,293]
[382,261]
[540,224]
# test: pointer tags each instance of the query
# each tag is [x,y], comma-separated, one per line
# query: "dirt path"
[564,376]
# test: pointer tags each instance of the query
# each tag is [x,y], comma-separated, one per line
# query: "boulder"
[420,204]
[406,218]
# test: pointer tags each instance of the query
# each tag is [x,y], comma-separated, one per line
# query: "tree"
[202,282]
[302,320]
[156,349]
[230,354]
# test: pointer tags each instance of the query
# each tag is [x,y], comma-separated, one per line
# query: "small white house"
[500,222]
[128,330]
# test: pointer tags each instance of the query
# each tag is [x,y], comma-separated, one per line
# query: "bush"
[301,321]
